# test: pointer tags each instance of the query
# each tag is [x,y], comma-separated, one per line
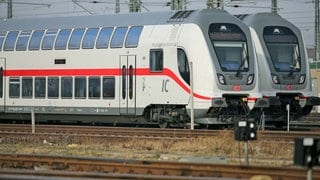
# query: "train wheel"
[162,121]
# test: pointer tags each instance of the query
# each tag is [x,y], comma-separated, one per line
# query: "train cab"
[283,67]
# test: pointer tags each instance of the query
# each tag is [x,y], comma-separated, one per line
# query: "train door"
[128,85]
[2,79]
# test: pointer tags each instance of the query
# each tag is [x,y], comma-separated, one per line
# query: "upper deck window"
[118,37]
[10,40]
[23,40]
[62,39]
[2,37]
[35,40]
[76,37]
[89,38]
[48,39]
[283,47]
[104,37]
[133,37]
[230,45]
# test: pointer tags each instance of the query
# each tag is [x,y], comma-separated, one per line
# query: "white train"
[283,67]
[132,68]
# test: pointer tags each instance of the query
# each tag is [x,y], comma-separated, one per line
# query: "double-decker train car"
[283,67]
[132,68]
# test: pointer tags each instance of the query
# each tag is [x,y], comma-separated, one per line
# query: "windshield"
[283,47]
[230,45]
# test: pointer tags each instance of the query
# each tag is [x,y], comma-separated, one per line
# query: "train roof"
[260,20]
[110,20]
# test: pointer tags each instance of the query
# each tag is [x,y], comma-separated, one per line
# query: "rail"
[152,168]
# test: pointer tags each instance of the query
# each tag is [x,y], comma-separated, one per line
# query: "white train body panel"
[149,78]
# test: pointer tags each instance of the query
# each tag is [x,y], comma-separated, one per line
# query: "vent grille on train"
[241,16]
[180,15]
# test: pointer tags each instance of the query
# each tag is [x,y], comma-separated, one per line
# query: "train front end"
[235,94]
[284,68]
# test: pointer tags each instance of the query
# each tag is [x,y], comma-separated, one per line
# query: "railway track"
[48,165]
[141,133]
[62,167]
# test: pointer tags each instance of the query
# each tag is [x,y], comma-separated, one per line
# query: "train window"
[104,38]
[156,60]
[48,39]
[133,37]
[14,87]
[183,66]
[283,47]
[108,87]
[35,40]
[2,37]
[23,40]
[89,38]
[80,84]
[53,87]
[66,87]
[76,37]
[131,70]
[124,81]
[27,87]
[94,87]
[1,82]
[10,40]
[62,39]
[118,37]
[40,87]
[230,45]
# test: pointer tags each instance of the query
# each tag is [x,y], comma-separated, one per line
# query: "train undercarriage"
[167,115]
[234,108]
[277,113]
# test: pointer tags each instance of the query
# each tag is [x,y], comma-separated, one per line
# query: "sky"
[299,12]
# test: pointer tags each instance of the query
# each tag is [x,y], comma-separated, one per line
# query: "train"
[144,68]
[283,67]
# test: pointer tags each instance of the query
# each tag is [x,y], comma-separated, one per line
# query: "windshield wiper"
[239,70]
[293,67]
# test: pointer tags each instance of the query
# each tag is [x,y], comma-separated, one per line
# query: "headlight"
[250,79]
[302,78]
[275,79]
[221,79]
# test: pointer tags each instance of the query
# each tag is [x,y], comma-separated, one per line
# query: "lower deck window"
[108,87]
[40,87]
[14,87]
[27,87]
[66,87]
[53,87]
[62,87]
[80,90]
[94,87]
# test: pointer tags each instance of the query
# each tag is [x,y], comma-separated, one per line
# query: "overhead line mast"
[178,5]
[9,12]
[274,6]
[117,6]
[316,32]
